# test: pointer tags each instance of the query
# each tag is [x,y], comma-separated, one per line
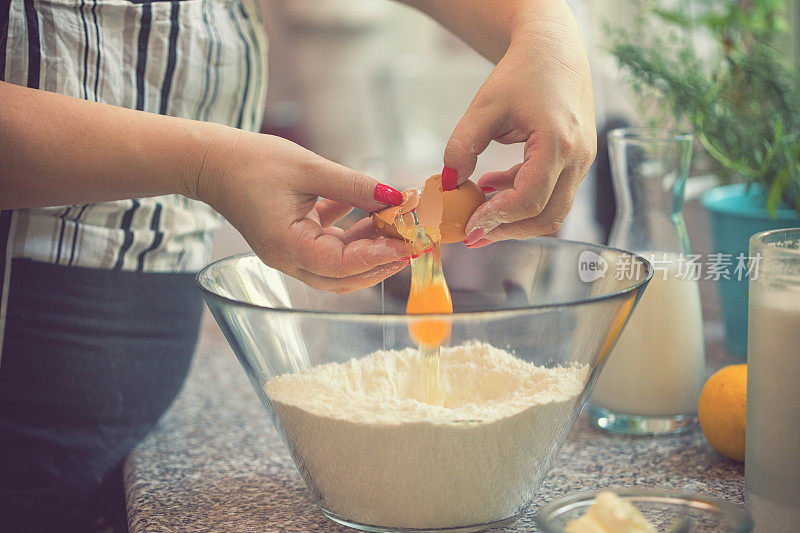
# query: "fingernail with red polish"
[478,244]
[449,179]
[474,236]
[487,189]
[387,195]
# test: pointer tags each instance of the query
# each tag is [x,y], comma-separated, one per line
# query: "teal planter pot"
[735,214]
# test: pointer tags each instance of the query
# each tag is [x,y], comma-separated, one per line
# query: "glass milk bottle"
[772,452]
[652,380]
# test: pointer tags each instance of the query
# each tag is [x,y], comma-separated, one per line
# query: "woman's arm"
[60,150]
[486,25]
[540,94]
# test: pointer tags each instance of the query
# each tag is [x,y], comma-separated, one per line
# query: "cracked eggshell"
[385,220]
[444,214]
[457,207]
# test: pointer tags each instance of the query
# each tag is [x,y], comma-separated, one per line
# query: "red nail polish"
[423,252]
[478,244]
[488,189]
[474,236]
[387,195]
[449,179]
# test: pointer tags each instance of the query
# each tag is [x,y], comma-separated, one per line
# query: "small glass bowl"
[668,511]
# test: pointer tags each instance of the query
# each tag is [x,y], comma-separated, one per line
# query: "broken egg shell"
[444,214]
[459,204]
[390,229]
[387,215]
[390,214]
[410,201]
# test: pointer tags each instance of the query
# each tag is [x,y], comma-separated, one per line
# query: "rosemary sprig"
[742,98]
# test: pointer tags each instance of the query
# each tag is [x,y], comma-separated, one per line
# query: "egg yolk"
[429,296]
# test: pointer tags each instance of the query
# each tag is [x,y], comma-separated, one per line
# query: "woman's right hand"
[268,188]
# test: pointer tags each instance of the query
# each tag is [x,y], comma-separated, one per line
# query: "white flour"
[374,453]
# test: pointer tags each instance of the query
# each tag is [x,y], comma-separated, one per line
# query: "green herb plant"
[741,96]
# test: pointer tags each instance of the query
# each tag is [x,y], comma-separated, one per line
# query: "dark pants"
[90,361]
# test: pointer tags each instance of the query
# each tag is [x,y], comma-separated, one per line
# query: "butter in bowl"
[641,511]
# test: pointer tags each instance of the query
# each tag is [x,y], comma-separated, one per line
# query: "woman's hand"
[268,188]
[539,93]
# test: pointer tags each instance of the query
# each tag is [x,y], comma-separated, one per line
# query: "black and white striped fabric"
[197,59]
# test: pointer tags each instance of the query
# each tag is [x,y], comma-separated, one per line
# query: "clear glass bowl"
[556,304]
[668,511]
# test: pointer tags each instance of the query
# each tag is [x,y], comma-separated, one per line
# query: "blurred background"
[378,86]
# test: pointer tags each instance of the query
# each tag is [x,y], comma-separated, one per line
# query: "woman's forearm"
[60,150]
[489,26]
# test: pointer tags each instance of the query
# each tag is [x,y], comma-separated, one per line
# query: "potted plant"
[720,67]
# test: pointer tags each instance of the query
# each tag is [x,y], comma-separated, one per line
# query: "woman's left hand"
[539,93]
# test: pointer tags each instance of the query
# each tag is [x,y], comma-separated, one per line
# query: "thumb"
[337,182]
[471,136]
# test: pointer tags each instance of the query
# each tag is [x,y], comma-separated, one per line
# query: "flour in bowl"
[372,451]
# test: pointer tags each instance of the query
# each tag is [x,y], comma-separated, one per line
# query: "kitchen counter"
[215,463]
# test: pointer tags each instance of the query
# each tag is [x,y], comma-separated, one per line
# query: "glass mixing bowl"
[551,307]
[668,511]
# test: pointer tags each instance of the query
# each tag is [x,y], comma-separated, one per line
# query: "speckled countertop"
[215,463]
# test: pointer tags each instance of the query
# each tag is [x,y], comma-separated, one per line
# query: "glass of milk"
[652,380]
[772,454]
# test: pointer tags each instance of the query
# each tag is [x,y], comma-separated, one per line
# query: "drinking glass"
[772,454]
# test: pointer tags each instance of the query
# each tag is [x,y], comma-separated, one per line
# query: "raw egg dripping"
[429,294]
[425,220]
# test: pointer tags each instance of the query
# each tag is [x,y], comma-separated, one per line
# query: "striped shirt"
[197,59]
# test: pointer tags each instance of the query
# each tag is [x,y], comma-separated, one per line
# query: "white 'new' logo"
[591,266]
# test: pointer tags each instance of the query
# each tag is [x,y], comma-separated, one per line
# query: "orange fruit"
[722,409]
